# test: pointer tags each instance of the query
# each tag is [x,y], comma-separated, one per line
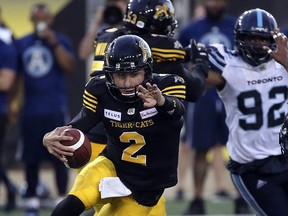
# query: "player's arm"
[88,116]
[84,121]
[196,79]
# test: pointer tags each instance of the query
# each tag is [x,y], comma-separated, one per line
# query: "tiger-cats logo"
[162,12]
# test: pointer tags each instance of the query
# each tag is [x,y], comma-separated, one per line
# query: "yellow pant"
[86,189]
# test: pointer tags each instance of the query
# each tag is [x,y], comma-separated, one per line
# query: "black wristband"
[168,104]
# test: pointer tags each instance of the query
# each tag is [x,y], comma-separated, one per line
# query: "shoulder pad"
[171,84]
[99,81]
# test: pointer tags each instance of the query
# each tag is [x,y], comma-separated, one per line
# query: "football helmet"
[255,22]
[127,54]
[152,16]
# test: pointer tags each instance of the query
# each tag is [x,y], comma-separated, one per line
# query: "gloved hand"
[199,55]
[283,138]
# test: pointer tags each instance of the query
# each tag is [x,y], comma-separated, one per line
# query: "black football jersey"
[168,56]
[142,143]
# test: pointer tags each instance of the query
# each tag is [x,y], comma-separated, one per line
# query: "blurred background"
[72,18]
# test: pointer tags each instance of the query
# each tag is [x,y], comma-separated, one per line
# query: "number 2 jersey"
[255,100]
[142,143]
[168,55]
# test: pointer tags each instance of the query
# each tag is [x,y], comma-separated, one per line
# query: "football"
[82,147]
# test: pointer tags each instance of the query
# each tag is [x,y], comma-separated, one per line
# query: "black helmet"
[127,53]
[153,16]
[255,22]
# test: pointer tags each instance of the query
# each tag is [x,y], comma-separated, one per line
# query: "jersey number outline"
[129,153]
[257,110]
[131,18]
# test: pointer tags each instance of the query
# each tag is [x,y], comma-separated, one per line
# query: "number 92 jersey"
[255,100]
[142,142]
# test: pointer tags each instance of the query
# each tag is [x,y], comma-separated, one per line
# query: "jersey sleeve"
[88,117]
[217,55]
[164,49]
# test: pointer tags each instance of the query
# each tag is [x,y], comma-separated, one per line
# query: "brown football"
[82,147]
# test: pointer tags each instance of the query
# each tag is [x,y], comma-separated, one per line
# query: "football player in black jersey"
[155,22]
[142,115]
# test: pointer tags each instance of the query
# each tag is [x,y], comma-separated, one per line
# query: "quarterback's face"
[127,82]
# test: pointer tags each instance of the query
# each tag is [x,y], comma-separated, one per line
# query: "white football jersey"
[255,100]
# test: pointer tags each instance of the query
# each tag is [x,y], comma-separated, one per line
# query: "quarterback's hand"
[151,95]
[52,140]
[281,53]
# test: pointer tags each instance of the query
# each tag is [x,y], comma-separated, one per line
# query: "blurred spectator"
[6,34]
[207,115]
[44,57]
[110,15]
[7,77]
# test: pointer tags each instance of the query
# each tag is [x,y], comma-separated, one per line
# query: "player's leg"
[266,194]
[97,148]
[125,206]
[85,191]
[159,209]
[86,186]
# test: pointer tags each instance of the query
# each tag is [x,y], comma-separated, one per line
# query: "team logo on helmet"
[162,12]
[144,50]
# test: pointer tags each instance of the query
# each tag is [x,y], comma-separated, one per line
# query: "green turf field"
[223,207]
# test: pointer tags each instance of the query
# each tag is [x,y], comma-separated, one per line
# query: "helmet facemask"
[253,53]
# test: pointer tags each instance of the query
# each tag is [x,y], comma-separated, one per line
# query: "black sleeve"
[84,120]
[172,107]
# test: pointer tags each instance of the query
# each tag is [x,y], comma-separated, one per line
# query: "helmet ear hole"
[127,54]
[254,23]
[155,16]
